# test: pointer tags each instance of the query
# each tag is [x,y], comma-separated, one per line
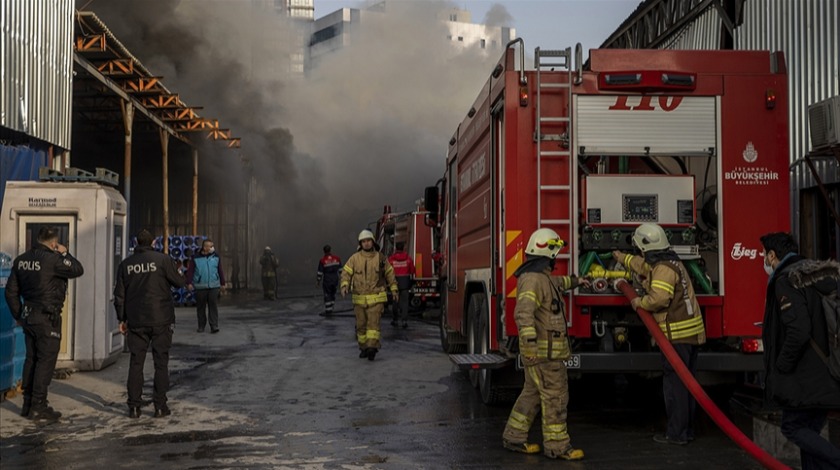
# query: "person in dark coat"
[146,312]
[39,277]
[797,379]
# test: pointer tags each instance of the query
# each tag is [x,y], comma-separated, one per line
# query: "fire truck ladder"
[548,156]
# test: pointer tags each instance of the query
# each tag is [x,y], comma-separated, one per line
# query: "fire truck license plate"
[573,362]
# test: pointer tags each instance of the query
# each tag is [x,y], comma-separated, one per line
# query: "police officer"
[146,312]
[40,277]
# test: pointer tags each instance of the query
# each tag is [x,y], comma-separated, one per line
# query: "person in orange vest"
[404,271]
[328,273]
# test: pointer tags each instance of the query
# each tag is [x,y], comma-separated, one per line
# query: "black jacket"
[796,376]
[40,276]
[142,295]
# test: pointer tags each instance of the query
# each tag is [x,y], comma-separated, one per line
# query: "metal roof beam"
[655,22]
[118,90]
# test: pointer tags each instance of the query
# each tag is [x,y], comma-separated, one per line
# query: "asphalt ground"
[281,387]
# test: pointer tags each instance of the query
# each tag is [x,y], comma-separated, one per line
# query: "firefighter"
[403,270]
[146,312]
[669,296]
[366,275]
[328,268]
[543,344]
[40,276]
[269,265]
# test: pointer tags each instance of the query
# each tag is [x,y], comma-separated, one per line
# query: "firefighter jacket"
[205,271]
[328,268]
[367,274]
[403,269]
[269,264]
[541,315]
[669,296]
[142,295]
[40,276]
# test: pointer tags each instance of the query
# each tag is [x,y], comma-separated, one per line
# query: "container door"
[29,225]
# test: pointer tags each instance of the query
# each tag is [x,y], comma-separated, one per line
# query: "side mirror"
[430,199]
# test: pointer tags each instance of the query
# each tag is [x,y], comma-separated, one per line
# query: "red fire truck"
[696,141]
[413,229]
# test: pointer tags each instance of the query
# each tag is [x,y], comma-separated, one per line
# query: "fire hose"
[696,390]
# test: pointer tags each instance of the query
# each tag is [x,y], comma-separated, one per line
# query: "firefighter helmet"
[545,242]
[365,234]
[650,237]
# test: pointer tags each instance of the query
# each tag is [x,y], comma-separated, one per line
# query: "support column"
[164,146]
[195,193]
[127,108]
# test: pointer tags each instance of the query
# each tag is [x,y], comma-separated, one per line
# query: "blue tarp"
[16,164]
[19,164]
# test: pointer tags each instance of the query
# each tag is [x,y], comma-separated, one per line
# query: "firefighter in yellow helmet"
[543,344]
[366,275]
[669,296]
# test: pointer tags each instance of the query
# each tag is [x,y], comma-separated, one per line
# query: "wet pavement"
[281,387]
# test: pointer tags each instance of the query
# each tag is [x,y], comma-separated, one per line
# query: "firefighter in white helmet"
[543,344]
[669,296]
[367,275]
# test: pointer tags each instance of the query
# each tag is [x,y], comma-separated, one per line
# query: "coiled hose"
[696,390]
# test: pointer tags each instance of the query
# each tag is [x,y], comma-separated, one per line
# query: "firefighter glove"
[343,291]
[636,302]
[528,346]
[618,256]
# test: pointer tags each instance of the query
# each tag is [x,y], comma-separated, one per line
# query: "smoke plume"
[498,15]
[367,126]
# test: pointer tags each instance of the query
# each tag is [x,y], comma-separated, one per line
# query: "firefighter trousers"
[269,287]
[330,287]
[367,324]
[679,403]
[546,390]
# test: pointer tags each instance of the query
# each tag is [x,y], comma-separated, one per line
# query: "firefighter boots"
[363,353]
[133,411]
[523,447]
[568,454]
[371,353]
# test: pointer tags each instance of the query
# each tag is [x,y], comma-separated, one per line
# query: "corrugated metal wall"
[807,32]
[36,58]
[702,34]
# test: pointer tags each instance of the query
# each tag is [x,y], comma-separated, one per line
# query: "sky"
[549,24]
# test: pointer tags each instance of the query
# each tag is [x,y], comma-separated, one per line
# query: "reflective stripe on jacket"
[670,297]
[540,315]
[366,274]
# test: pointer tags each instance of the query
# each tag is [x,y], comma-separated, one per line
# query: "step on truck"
[696,141]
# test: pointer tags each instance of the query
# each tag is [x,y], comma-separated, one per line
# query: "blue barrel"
[8,379]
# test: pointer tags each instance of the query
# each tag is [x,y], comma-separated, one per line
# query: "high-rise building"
[333,31]
[297,9]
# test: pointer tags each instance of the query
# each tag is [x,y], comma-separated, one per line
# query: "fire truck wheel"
[477,309]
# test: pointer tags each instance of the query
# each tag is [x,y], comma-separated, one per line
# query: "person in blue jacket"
[206,278]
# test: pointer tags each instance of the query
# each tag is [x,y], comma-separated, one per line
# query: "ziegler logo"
[646,103]
[738,252]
